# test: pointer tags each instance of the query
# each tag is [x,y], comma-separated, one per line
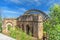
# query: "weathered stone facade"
[30,22]
[7,22]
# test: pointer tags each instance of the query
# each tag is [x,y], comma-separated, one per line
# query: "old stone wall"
[7,22]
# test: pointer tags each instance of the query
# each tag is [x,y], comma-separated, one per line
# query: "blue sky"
[15,8]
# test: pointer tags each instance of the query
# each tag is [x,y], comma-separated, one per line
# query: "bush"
[52,25]
[0,27]
[19,34]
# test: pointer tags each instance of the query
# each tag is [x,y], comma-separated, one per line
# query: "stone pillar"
[40,27]
[31,30]
[25,28]
[35,30]
[40,31]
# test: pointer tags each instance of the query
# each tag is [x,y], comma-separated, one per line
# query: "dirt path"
[4,37]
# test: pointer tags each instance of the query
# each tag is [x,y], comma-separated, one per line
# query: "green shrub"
[52,25]
[0,27]
[22,35]
[19,34]
[0,24]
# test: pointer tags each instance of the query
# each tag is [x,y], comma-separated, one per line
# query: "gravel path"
[4,37]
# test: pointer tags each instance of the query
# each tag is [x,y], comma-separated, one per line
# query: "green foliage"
[12,32]
[19,34]
[0,27]
[0,24]
[52,25]
[9,27]
[22,35]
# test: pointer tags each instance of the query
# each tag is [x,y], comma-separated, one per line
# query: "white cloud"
[37,2]
[13,1]
[30,2]
[10,14]
[22,9]
[47,12]
[7,11]
[51,2]
[19,11]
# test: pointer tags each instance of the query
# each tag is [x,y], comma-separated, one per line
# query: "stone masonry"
[30,22]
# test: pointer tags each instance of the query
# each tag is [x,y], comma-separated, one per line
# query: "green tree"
[0,23]
[52,25]
[18,34]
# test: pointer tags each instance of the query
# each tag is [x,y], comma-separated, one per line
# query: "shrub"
[0,27]
[19,34]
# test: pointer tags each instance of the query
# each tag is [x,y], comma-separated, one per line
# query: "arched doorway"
[32,31]
[23,27]
[27,29]
[9,26]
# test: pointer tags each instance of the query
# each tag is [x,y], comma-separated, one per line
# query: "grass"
[0,27]
[19,34]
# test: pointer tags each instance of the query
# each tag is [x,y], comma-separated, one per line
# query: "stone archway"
[9,26]
[22,27]
[6,22]
[27,29]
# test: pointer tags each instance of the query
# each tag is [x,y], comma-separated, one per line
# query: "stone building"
[30,22]
[6,22]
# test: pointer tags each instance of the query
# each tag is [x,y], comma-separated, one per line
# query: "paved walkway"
[4,37]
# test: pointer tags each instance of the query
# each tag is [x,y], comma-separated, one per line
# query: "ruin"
[30,22]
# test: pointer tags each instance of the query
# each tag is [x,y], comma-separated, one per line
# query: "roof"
[34,11]
[10,18]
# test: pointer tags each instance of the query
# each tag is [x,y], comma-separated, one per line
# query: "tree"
[0,22]
[18,34]
[52,25]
